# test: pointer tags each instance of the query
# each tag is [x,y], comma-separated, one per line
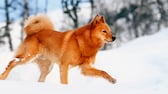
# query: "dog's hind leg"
[13,63]
[90,71]
[26,51]
[45,66]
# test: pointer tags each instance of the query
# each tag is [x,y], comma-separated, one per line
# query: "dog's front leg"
[64,73]
[90,71]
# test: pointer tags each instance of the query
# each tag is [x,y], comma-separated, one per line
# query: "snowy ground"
[140,67]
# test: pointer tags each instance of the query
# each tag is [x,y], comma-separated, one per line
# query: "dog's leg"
[26,51]
[90,71]
[16,61]
[64,73]
[8,69]
[45,66]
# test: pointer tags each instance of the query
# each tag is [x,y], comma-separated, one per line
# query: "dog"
[77,47]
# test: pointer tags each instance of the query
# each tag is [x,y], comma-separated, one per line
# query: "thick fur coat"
[70,48]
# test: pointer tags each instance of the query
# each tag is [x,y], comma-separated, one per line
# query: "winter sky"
[52,5]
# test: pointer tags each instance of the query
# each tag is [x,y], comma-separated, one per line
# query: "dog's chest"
[78,59]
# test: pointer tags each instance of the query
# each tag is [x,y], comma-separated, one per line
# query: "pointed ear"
[96,20]
[102,19]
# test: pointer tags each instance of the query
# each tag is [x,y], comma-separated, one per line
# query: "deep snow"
[140,67]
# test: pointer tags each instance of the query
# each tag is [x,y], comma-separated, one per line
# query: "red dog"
[71,48]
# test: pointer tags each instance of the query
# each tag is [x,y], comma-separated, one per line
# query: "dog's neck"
[86,31]
[87,44]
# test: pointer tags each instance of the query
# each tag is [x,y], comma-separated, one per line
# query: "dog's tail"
[37,23]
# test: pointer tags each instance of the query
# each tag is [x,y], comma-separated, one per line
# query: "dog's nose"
[113,38]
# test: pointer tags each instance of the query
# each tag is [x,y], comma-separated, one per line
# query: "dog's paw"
[113,80]
[1,77]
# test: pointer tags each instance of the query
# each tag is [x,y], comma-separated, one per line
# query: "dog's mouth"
[107,41]
[110,40]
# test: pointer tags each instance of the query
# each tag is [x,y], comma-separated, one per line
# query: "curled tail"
[37,23]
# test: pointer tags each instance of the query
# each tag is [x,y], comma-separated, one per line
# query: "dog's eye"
[36,22]
[104,31]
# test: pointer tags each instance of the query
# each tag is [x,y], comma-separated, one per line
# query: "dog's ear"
[95,20]
[102,19]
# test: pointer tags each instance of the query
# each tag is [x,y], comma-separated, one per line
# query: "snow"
[139,66]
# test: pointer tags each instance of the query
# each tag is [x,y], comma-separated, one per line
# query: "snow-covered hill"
[140,67]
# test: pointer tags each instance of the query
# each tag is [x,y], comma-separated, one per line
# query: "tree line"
[135,18]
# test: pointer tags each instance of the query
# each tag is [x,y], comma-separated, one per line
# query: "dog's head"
[100,30]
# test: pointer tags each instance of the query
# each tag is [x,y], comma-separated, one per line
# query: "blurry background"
[138,59]
[129,19]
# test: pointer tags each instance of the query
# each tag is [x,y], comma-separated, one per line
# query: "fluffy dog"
[71,48]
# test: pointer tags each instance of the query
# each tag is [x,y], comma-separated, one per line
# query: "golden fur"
[71,48]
